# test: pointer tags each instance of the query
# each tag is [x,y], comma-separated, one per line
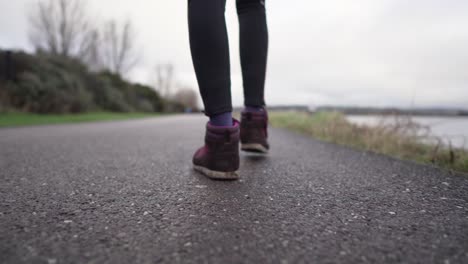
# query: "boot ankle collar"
[221,129]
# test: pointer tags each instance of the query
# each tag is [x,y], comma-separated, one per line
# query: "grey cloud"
[365,52]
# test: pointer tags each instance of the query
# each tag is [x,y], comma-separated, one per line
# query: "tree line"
[63,27]
[79,66]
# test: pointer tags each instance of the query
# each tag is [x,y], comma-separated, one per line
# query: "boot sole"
[254,147]
[217,175]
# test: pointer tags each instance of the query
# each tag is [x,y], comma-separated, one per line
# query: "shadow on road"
[254,158]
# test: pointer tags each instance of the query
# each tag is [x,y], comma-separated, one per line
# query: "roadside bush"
[50,89]
[45,83]
[5,105]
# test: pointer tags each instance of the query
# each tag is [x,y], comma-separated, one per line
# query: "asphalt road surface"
[124,192]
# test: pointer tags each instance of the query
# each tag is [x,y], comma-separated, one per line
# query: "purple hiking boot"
[253,131]
[219,158]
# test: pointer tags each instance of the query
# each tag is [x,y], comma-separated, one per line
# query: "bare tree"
[90,51]
[164,78]
[187,97]
[62,27]
[59,26]
[119,52]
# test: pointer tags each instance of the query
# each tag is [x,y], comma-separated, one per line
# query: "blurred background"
[366,57]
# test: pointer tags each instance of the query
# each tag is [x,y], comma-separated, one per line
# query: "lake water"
[449,129]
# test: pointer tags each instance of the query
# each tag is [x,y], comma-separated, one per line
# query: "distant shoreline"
[436,112]
[396,111]
[408,114]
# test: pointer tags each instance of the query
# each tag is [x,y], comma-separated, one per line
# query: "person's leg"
[253,50]
[210,54]
[219,157]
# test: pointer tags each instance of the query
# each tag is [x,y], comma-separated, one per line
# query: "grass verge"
[27,119]
[401,138]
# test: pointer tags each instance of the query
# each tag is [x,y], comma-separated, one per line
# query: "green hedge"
[44,83]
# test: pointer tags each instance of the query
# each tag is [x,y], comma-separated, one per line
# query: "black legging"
[210,52]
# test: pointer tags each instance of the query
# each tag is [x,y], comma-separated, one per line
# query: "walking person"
[219,157]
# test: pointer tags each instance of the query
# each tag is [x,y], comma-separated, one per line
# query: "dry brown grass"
[400,137]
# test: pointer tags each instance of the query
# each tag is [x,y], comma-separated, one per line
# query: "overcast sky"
[340,52]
